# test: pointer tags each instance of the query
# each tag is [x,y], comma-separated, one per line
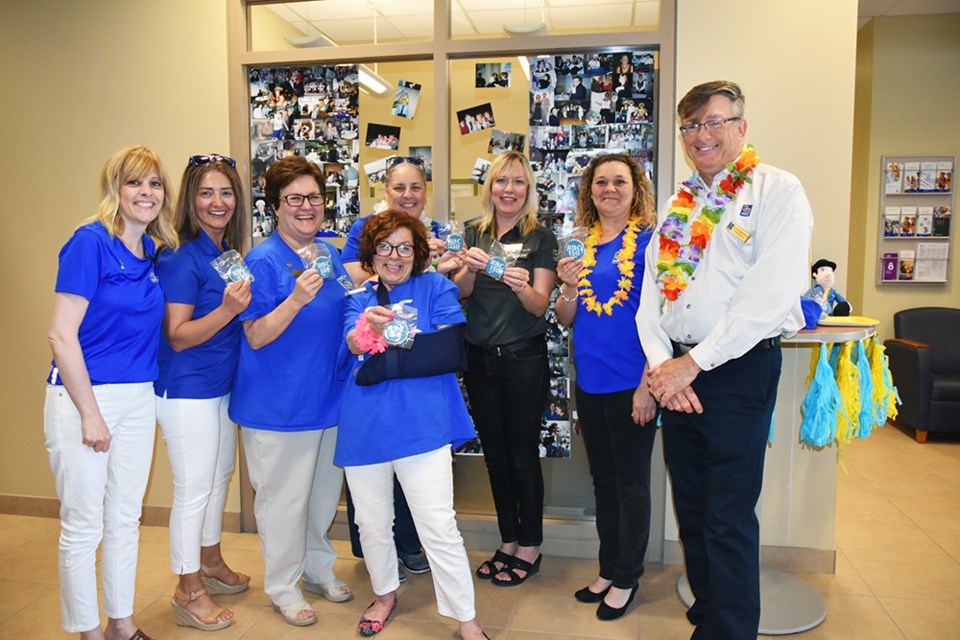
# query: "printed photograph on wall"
[493,75]
[383,136]
[476,118]
[425,155]
[501,141]
[405,100]
[308,111]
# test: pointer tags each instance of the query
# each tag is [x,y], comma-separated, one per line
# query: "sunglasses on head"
[394,161]
[199,161]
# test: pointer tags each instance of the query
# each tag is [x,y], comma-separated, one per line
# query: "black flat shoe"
[590,597]
[517,564]
[606,612]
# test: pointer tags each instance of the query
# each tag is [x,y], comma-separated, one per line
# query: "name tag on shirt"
[742,234]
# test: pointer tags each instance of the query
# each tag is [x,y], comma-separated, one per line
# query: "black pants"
[508,393]
[716,470]
[619,453]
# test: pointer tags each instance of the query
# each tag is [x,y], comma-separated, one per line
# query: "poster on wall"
[309,111]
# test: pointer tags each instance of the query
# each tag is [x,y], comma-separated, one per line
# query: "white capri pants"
[101,495]
[202,445]
[298,490]
[427,481]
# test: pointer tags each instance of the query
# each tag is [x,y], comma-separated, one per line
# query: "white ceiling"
[346,21]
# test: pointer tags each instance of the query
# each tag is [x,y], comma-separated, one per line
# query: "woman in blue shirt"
[599,296]
[433,417]
[198,357]
[100,413]
[287,394]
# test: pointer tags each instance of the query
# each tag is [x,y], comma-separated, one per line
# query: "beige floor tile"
[925,619]
[36,560]
[879,533]
[546,605]
[14,595]
[853,617]
[17,530]
[903,573]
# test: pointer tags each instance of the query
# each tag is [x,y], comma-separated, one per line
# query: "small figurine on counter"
[832,303]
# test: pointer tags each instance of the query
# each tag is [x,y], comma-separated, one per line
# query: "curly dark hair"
[381,225]
[642,207]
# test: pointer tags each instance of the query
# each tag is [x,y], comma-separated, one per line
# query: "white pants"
[202,444]
[101,495]
[298,490]
[427,481]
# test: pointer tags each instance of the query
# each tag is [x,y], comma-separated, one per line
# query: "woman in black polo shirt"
[508,377]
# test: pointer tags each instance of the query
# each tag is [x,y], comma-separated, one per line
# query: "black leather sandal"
[499,556]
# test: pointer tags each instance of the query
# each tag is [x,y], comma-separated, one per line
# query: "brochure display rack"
[916,208]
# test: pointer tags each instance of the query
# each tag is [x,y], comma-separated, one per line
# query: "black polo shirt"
[495,316]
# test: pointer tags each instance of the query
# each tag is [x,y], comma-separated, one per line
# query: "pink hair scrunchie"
[366,338]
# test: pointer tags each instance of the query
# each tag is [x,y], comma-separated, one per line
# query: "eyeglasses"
[296,199]
[395,160]
[709,125]
[199,161]
[384,249]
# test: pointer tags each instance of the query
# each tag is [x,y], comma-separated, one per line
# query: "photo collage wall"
[581,105]
[310,112]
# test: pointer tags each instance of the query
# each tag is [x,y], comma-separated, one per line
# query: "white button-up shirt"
[746,288]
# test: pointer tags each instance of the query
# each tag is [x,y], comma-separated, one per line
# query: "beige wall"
[795,64]
[908,89]
[87,78]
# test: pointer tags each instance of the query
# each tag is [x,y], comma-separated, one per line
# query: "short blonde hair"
[127,164]
[505,163]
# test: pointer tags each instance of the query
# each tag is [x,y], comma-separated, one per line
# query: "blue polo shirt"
[291,384]
[399,418]
[606,349]
[120,331]
[351,249]
[206,370]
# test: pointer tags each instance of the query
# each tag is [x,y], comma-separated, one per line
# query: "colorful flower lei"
[677,261]
[625,264]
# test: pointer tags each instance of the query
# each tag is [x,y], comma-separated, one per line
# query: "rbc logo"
[396,332]
[324,266]
[455,243]
[574,249]
[496,267]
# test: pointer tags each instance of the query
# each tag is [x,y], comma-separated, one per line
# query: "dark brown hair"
[698,97]
[381,225]
[283,172]
[185,218]
[641,207]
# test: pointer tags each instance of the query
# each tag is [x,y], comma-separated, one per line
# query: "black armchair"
[925,366]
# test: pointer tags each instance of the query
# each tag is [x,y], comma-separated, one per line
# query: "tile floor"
[898,572]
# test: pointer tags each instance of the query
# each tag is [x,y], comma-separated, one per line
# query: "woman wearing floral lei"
[599,296]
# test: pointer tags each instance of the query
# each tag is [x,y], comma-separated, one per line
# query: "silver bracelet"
[565,298]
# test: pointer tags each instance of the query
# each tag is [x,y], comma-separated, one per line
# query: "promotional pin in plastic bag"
[502,256]
[317,256]
[231,268]
[401,331]
[571,242]
[452,234]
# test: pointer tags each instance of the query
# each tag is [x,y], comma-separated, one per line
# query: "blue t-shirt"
[120,331]
[291,384]
[399,418]
[351,249]
[606,349]
[206,370]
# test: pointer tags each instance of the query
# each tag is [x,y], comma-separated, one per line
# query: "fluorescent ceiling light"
[524,66]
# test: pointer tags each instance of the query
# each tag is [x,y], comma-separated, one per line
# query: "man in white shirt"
[722,283]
